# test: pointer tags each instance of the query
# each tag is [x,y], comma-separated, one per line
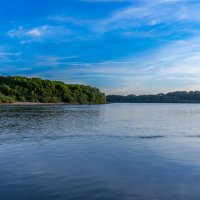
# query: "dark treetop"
[22,89]
[172,97]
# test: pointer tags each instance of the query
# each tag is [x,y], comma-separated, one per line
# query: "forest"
[171,97]
[22,89]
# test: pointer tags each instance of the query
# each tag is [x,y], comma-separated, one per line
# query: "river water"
[100,152]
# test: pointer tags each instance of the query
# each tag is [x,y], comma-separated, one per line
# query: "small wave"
[193,136]
[151,137]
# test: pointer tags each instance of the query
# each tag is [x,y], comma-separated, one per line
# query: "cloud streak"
[150,14]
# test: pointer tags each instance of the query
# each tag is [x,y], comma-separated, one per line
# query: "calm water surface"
[114,152]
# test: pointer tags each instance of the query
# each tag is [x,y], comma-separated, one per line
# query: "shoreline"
[43,104]
[71,104]
[34,104]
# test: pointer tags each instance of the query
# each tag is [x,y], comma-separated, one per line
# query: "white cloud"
[25,35]
[21,32]
[38,32]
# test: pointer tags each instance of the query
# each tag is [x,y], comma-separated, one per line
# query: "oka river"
[100,152]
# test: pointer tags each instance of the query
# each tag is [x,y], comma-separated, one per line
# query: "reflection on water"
[117,151]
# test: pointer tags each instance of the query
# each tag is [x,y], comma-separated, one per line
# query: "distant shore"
[171,97]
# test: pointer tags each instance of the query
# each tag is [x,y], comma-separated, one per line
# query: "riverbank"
[33,104]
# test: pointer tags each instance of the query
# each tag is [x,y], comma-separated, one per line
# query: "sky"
[119,46]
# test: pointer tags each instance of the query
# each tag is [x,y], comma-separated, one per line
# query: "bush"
[6,99]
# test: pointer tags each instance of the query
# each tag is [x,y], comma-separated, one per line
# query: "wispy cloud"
[28,35]
[8,55]
[152,16]
[35,32]
[67,19]
[148,13]
[172,67]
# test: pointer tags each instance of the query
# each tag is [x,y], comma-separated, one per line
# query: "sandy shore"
[33,104]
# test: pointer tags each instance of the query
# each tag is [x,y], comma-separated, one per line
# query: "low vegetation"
[22,89]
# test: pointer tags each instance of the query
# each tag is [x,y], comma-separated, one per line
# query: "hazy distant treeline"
[22,89]
[172,97]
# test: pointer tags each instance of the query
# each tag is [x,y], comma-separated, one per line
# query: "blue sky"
[120,46]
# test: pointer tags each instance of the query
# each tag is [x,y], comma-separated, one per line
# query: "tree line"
[23,89]
[171,97]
